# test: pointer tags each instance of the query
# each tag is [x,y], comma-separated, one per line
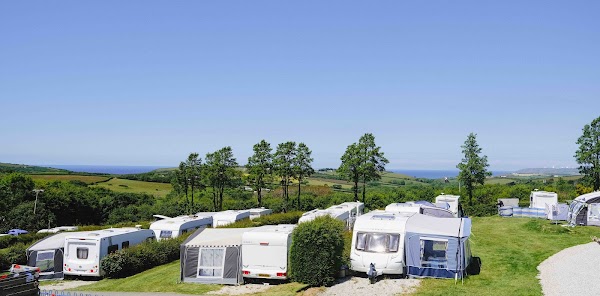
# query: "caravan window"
[113,248]
[210,262]
[82,253]
[433,253]
[45,261]
[378,242]
[166,234]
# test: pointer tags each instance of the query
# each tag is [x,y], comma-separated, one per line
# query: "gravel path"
[572,271]
[64,285]
[361,286]
[241,289]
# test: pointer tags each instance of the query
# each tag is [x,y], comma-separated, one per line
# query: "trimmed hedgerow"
[316,255]
[273,219]
[141,257]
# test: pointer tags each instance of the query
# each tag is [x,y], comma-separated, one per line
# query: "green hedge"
[16,254]
[273,219]
[141,257]
[28,239]
[316,255]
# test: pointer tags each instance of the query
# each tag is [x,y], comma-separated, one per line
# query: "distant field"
[132,186]
[329,182]
[388,179]
[86,179]
[499,181]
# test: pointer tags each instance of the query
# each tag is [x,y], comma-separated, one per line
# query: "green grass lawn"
[510,251]
[85,179]
[133,186]
[159,279]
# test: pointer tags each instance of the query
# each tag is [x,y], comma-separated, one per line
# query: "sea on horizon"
[107,169]
[439,174]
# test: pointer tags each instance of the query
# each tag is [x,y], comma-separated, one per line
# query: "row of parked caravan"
[79,253]
[583,210]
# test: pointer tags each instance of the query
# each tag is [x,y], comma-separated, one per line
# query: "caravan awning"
[218,237]
[424,224]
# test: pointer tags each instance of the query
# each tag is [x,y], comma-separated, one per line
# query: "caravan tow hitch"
[372,274]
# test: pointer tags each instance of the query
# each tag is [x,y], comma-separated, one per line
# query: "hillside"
[31,169]
[549,171]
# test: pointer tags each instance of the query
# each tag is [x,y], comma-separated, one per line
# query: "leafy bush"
[316,255]
[141,257]
[27,239]
[273,219]
[336,186]
[13,255]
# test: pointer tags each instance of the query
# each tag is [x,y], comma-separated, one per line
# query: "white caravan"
[378,238]
[346,212]
[84,252]
[174,227]
[312,215]
[403,207]
[265,251]
[542,199]
[58,229]
[452,201]
[227,217]
[421,207]
[259,212]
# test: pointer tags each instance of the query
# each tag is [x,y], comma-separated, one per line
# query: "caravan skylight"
[383,217]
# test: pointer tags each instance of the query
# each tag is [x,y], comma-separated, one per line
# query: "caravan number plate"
[264,275]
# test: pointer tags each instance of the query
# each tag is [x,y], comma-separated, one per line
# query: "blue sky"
[147,82]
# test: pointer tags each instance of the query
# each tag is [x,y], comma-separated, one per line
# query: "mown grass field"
[133,186]
[85,179]
[510,250]
[388,179]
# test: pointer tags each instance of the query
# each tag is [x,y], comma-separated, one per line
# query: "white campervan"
[174,227]
[227,217]
[84,252]
[378,238]
[259,212]
[265,251]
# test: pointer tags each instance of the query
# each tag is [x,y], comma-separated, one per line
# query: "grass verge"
[159,279]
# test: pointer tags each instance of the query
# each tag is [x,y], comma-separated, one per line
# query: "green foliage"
[15,254]
[588,153]
[283,165]
[350,169]
[133,260]
[336,186]
[220,173]
[373,160]
[302,165]
[316,255]
[27,239]
[273,219]
[260,168]
[473,167]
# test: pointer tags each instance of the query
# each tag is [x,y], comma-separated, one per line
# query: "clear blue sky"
[147,82]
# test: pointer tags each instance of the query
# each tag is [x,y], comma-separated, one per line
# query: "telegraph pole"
[37,192]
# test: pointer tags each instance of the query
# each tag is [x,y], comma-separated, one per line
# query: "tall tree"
[473,167]
[193,165]
[588,153]
[373,161]
[220,173]
[350,169]
[260,166]
[283,166]
[302,165]
[181,178]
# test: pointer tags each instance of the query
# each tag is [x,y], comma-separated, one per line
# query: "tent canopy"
[439,226]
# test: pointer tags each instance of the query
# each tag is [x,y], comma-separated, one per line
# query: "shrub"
[273,219]
[16,254]
[141,257]
[336,186]
[317,251]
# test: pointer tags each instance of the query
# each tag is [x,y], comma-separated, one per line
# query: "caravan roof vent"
[383,217]
[94,234]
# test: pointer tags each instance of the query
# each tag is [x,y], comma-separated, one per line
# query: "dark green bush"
[14,255]
[141,257]
[273,219]
[317,251]
[336,186]
[28,239]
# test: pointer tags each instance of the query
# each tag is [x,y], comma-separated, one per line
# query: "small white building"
[176,226]
[453,203]
[83,253]
[265,251]
[230,216]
